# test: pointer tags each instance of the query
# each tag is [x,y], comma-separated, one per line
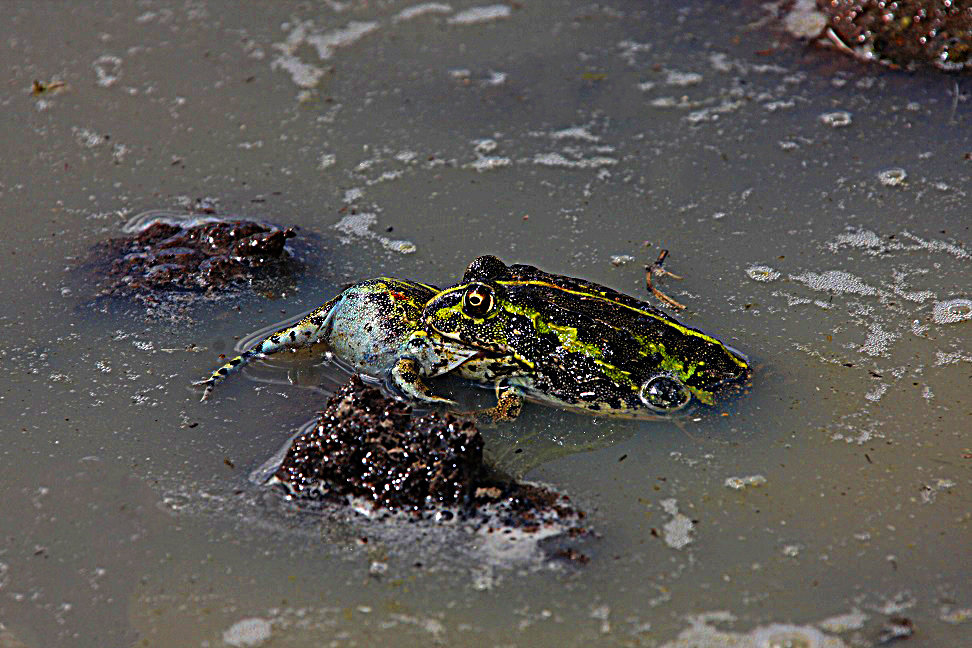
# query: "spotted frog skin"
[376,327]
[579,345]
[550,338]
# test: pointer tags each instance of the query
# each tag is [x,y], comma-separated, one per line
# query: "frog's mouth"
[453,354]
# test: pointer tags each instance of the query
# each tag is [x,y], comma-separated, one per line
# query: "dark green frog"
[576,344]
[553,339]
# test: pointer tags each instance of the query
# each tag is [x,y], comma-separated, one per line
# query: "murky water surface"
[818,209]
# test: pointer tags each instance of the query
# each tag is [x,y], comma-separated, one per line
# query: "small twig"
[656,269]
[40,87]
[838,42]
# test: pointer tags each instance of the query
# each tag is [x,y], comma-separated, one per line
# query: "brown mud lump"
[196,256]
[904,33]
[365,445]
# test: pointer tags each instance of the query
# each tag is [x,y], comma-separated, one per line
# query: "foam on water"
[481,14]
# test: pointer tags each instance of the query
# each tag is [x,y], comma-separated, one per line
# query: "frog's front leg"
[308,331]
[406,376]
[424,355]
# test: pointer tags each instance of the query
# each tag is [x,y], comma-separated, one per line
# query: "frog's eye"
[478,300]
[664,393]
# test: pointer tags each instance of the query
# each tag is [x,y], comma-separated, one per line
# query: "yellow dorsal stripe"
[664,320]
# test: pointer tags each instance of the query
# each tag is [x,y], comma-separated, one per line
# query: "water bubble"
[951,311]
[894,177]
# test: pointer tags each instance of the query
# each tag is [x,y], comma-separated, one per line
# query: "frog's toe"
[509,404]
[440,400]
[407,379]
[208,386]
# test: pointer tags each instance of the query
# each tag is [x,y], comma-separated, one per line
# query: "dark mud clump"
[366,446]
[206,257]
[905,33]
[181,261]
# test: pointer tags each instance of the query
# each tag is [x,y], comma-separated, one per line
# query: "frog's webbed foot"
[656,270]
[509,404]
[407,378]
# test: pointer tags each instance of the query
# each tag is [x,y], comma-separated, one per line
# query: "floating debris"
[837,119]
[39,87]
[961,615]
[894,177]
[248,632]
[421,10]
[762,273]
[739,483]
[678,530]
[897,627]
[173,258]
[804,20]
[682,79]
[841,623]
[704,632]
[358,226]
[836,282]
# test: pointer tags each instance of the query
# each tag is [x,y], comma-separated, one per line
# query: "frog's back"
[624,336]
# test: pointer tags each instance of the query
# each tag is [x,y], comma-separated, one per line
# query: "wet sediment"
[180,262]
[368,447]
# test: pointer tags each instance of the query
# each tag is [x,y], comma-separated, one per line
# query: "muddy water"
[817,209]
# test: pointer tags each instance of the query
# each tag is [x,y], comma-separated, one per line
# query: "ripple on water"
[952,311]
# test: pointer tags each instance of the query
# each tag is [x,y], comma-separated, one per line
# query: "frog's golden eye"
[664,393]
[478,300]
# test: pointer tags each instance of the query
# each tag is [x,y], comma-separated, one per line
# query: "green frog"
[549,338]
[579,345]
[376,327]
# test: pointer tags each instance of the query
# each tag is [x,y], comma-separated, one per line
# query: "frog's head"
[578,337]
[475,312]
